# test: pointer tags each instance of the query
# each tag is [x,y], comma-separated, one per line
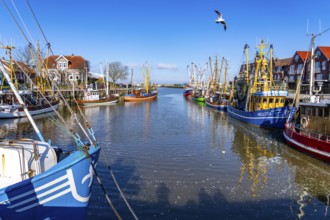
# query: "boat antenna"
[311,81]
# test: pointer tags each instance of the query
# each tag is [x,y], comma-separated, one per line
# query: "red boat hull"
[316,147]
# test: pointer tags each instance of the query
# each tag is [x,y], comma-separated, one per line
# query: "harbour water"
[178,159]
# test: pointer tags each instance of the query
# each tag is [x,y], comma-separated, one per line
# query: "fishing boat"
[34,184]
[198,96]
[199,90]
[256,99]
[141,95]
[217,96]
[36,104]
[92,98]
[217,101]
[92,95]
[187,91]
[307,128]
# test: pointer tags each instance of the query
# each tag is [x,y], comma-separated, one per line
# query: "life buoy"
[304,122]
[88,94]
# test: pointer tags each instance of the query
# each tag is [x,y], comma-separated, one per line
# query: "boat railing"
[279,87]
[272,88]
[317,136]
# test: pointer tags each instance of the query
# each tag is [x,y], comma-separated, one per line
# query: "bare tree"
[24,55]
[117,71]
[27,56]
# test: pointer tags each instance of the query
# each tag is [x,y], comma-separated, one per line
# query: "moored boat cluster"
[254,97]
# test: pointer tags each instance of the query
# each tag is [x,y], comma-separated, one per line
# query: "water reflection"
[175,159]
[263,152]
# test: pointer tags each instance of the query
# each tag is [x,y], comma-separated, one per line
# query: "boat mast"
[20,100]
[311,75]
[212,76]
[221,67]
[11,67]
[271,65]
[107,79]
[246,48]
[216,75]
[147,79]
[225,79]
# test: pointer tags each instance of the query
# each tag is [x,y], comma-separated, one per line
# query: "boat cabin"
[314,117]
[266,102]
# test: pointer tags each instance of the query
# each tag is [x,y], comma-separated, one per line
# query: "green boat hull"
[198,99]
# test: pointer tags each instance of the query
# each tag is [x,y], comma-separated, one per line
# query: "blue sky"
[169,34]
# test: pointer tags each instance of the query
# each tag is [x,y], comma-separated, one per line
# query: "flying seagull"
[220,20]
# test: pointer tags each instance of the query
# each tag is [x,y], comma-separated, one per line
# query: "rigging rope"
[75,135]
[19,27]
[22,21]
[68,128]
[35,17]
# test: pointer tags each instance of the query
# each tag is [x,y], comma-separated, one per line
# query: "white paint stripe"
[254,118]
[38,188]
[306,147]
[44,201]
[40,195]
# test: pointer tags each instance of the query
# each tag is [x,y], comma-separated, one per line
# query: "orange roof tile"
[75,62]
[325,50]
[304,55]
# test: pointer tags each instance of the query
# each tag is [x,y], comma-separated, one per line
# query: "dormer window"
[296,58]
[318,54]
[62,65]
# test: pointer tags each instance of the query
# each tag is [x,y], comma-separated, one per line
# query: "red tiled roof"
[19,67]
[283,62]
[304,55]
[325,50]
[75,62]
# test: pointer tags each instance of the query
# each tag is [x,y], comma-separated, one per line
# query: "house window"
[62,65]
[291,71]
[319,76]
[324,65]
[317,67]
[300,66]
[291,78]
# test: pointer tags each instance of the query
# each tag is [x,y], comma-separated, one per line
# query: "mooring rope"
[118,187]
[105,192]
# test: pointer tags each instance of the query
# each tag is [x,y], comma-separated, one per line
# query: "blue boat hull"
[62,192]
[216,106]
[270,118]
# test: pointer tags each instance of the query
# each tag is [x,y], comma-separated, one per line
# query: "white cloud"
[167,66]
